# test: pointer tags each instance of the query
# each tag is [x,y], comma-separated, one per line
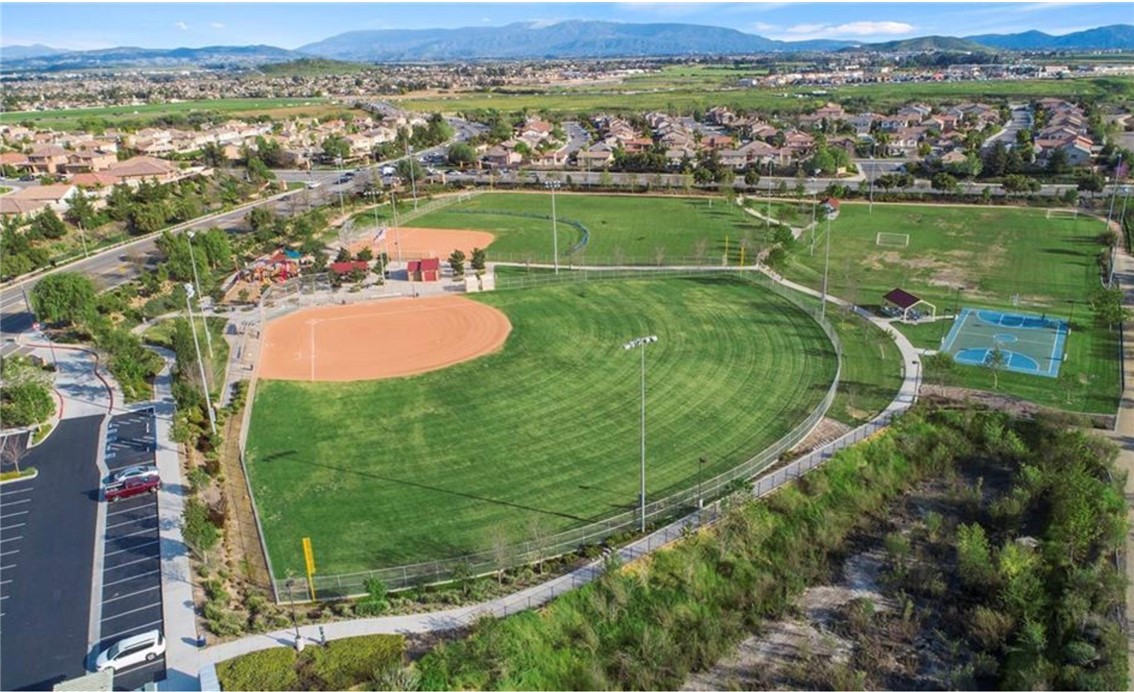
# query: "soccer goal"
[892,239]
[1062,214]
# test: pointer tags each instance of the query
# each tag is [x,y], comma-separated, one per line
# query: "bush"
[272,669]
[199,532]
[344,663]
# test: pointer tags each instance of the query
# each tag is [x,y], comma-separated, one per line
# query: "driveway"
[48,561]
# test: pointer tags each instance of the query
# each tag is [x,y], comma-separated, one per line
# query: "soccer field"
[623,229]
[540,437]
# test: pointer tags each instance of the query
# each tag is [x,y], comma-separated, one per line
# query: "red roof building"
[428,269]
[341,268]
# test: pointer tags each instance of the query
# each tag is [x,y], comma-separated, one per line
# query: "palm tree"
[995,361]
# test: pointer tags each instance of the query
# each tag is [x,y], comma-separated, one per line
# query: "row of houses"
[1066,129]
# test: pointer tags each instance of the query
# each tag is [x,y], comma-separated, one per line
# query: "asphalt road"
[47,613]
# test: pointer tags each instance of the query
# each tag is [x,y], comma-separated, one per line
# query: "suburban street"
[46,559]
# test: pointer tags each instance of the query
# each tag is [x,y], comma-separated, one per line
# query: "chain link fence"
[664,510]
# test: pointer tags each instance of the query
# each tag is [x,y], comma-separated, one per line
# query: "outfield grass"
[540,437]
[991,254]
[631,229]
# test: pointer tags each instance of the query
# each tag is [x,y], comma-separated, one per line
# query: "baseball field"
[535,437]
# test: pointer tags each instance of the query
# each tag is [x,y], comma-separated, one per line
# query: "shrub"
[271,669]
[199,532]
[344,663]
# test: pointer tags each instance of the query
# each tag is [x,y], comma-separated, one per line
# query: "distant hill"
[1113,37]
[313,66]
[570,39]
[929,43]
[35,50]
[209,56]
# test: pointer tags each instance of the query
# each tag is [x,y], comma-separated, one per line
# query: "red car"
[131,487]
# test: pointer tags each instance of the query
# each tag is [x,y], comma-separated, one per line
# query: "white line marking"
[136,533]
[136,576]
[132,521]
[132,593]
[12,526]
[143,664]
[10,552]
[3,567]
[6,493]
[140,628]
[137,547]
[151,605]
[13,538]
[6,581]
[132,562]
[17,502]
[128,509]
[14,514]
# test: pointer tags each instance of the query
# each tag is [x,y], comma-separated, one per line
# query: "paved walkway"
[1123,435]
[542,593]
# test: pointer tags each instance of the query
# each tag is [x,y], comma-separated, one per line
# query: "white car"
[140,648]
[134,472]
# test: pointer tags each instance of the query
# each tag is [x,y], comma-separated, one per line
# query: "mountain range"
[531,40]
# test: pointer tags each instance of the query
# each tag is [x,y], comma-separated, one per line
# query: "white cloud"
[217,25]
[764,26]
[182,25]
[801,32]
[543,23]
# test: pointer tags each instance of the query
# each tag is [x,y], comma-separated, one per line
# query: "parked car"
[131,487]
[131,651]
[134,472]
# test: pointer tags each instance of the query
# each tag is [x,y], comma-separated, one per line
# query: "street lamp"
[640,343]
[814,205]
[197,283]
[413,181]
[554,185]
[373,194]
[339,184]
[83,237]
[200,363]
[871,178]
[294,622]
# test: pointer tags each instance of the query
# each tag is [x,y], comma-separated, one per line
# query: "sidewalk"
[1123,436]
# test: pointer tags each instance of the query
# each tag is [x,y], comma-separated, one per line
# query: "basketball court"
[380,339]
[1031,344]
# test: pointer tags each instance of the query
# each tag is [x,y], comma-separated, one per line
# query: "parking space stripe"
[136,547]
[142,666]
[13,538]
[6,493]
[12,526]
[131,521]
[13,514]
[132,562]
[156,572]
[18,502]
[10,552]
[132,593]
[136,533]
[139,628]
[127,509]
[136,610]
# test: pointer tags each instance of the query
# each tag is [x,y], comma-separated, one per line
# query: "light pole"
[413,181]
[200,363]
[640,343]
[553,185]
[294,622]
[339,184]
[373,194]
[826,265]
[814,205]
[83,237]
[700,467]
[871,179]
[917,378]
[197,283]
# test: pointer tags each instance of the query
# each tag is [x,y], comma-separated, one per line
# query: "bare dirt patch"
[416,243]
[378,340]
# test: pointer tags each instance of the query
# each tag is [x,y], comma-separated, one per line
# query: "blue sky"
[83,26]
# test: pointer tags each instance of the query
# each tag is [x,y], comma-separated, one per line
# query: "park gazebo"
[905,302]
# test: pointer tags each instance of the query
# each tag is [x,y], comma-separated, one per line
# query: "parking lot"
[131,574]
[47,539]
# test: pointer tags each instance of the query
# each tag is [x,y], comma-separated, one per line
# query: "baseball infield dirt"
[416,243]
[377,340]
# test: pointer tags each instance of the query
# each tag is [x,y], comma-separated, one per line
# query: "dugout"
[905,304]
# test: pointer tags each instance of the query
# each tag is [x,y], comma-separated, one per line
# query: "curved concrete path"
[535,596]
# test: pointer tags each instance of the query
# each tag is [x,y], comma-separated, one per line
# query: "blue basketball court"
[1030,344]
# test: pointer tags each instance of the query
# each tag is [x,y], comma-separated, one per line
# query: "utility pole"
[413,181]
[553,185]
[197,283]
[826,265]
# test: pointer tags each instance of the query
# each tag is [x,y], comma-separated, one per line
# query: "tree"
[65,297]
[462,154]
[478,260]
[457,262]
[1107,306]
[409,168]
[1057,162]
[49,225]
[80,210]
[995,362]
[343,256]
[1092,182]
[944,181]
[336,147]
[12,450]
[260,217]
[26,397]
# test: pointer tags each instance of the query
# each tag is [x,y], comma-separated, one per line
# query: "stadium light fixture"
[640,343]
[554,185]
[200,363]
[197,283]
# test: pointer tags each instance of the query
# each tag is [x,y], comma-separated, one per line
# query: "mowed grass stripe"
[540,437]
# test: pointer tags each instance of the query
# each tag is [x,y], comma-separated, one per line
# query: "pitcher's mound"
[377,340]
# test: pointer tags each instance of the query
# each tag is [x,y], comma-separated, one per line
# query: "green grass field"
[69,119]
[540,437]
[623,229]
[672,91]
[991,254]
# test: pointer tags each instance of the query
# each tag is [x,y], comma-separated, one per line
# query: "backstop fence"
[665,510]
